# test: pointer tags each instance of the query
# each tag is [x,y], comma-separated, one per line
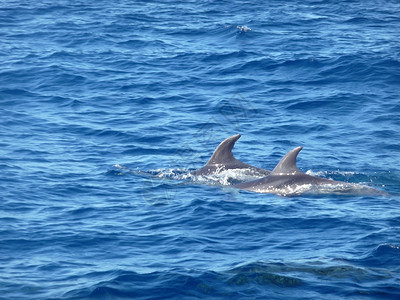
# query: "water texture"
[106,106]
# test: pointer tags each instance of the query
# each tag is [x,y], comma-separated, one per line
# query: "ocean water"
[106,106]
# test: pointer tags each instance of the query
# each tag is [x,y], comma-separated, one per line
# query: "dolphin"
[223,159]
[286,179]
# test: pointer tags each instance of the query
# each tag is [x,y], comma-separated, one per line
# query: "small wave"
[177,174]
[384,255]
[243,28]
[228,177]
[269,279]
[177,283]
[262,274]
[223,177]
[174,174]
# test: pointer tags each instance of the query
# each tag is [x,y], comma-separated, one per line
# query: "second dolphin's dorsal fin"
[223,154]
[287,165]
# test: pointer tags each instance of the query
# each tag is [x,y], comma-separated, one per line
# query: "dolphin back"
[223,159]
[287,165]
[223,153]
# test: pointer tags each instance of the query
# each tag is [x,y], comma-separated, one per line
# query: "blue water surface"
[106,106]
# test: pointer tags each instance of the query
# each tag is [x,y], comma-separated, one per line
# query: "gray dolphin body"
[223,159]
[287,179]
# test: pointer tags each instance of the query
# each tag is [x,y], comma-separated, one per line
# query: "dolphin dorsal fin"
[287,165]
[223,153]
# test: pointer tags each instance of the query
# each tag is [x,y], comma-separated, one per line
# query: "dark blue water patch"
[247,281]
[181,284]
[12,92]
